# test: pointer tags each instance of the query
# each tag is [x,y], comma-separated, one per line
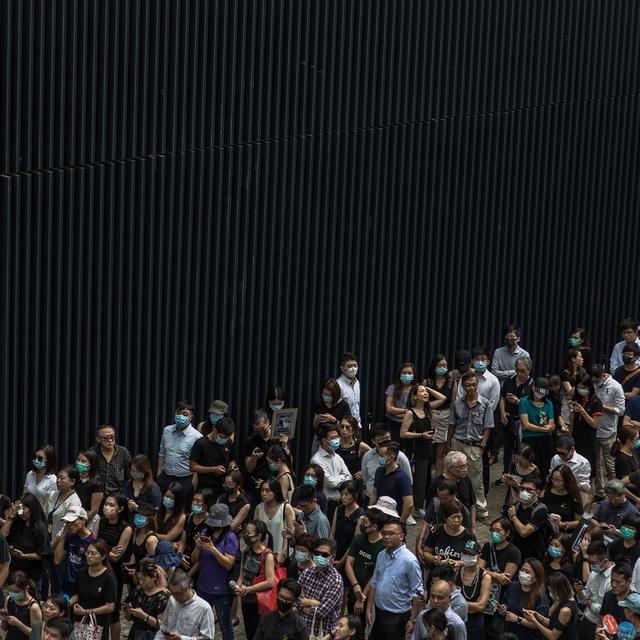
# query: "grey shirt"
[190,619]
[503,363]
[369,466]
[470,422]
[317,524]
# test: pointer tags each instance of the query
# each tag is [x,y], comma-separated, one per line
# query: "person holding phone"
[146,602]
[21,609]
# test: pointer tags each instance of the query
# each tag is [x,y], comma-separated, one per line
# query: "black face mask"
[284,607]
[247,539]
[228,490]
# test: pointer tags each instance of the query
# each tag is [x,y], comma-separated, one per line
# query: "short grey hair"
[180,579]
[453,459]
[525,361]
[615,486]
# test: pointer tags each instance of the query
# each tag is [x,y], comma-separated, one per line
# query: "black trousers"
[389,626]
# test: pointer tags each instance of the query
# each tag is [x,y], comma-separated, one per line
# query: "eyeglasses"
[108,438]
[322,554]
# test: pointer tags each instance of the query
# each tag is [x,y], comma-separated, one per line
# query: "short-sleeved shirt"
[75,549]
[396,485]
[625,464]
[261,471]
[470,422]
[466,494]
[564,506]
[511,386]
[339,410]
[114,473]
[632,377]
[175,448]
[96,591]
[447,546]
[364,554]
[534,545]
[213,578]
[538,416]
[236,505]
[28,539]
[501,557]
[632,409]
[606,512]
[619,553]
[85,491]
[207,453]
[400,402]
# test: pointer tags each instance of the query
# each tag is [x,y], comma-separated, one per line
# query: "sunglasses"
[40,458]
[323,554]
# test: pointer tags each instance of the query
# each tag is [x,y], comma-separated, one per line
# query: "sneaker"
[484,519]
[411,520]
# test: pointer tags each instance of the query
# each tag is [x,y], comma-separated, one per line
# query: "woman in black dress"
[586,408]
[96,588]
[352,449]
[89,489]
[23,610]
[345,521]
[146,602]
[559,625]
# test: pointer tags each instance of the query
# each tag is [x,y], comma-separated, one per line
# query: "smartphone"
[126,606]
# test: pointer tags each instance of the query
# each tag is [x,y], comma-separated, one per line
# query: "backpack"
[550,529]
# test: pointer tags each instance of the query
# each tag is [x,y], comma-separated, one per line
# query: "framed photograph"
[283,422]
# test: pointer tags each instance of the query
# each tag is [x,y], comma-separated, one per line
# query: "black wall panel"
[199,198]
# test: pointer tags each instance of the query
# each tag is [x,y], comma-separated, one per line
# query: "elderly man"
[441,599]
[455,470]
[471,423]
[614,508]
[187,616]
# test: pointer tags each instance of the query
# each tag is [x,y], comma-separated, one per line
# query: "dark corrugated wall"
[202,198]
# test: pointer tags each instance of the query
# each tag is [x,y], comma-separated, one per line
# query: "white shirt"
[42,489]
[335,471]
[190,619]
[611,394]
[488,388]
[616,360]
[369,466]
[597,585]
[580,467]
[350,388]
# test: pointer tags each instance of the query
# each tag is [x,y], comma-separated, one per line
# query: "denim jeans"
[222,607]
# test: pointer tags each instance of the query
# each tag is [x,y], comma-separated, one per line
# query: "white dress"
[42,489]
[275,525]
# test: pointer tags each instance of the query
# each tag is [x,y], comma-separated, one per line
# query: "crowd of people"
[223,532]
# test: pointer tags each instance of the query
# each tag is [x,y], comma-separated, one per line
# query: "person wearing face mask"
[277,460]
[114,460]
[334,467]
[235,499]
[89,489]
[309,517]
[611,396]
[563,498]
[211,456]
[529,518]
[284,622]
[504,358]
[141,487]
[322,588]
[144,540]
[396,398]
[216,554]
[566,454]
[527,593]
[329,407]
[171,515]
[313,476]
[361,560]
[41,480]
[538,422]
[349,384]
[218,409]
[255,455]
[23,612]
[579,340]
[194,526]
[175,450]
[628,374]
[345,521]
[560,624]
[275,399]
[474,583]
[628,454]
[586,411]
[626,548]
[488,386]
[393,482]
[559,557]
[304,544]
[592,594]
[629,334]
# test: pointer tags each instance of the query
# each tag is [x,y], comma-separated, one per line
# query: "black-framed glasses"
[108,438]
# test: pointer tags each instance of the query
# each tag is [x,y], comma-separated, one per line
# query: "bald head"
[440,594]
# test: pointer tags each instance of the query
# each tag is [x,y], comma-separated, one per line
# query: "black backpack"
[551,529]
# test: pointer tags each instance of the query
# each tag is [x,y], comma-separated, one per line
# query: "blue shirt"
[396,485]
[397,580]
[317,524]
[175,448]
[633,409]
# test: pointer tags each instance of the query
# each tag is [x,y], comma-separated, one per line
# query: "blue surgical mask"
[39,464]
[595,567]
[220,440]
[321,561]
[382,461]
[214,417]
[15,595]
[480,366]
[181,421]
[310,481]
[140,520]
[301,556]
[327,399]
[554,552]
[334,443]
[441,371]
[406,378]
[168,502]
[196,508]
[276,406]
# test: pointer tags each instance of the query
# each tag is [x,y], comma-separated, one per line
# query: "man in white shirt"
[488,384]
[349,384]
[579,465]
[611,395]
[503,363]
[334,467]
[598,584]
[629,333]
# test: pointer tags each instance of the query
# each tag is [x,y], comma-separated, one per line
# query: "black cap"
[541,385]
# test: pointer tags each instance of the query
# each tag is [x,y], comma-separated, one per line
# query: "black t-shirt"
[520,391]
[236,505]
[261,472]
[621,374]
[619,553]
[445,545]
[610,606]
[510,553]
[85,490]
[625,464]
[191,528]
[153,605]
[94,592]
[28,539]
[338,411]
[465,490]
[533,546]
[564,506]
[210,454]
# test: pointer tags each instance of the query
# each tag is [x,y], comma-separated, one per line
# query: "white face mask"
[525,495]
[525,579]
[351,372]
[468,560]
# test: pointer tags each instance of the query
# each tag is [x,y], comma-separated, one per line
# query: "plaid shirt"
[326,586]
[115,473]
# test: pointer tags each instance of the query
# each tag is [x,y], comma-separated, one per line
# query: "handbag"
[312,633]
[87,629]
[268,599]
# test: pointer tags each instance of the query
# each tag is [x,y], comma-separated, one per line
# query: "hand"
[504,419]
[78,610]
[511,617]
[357,476]
[601,634]
[13,511]
[437,559]
[327,417]
[529,615]
[409,627]
[358,606]
[513,399]
[117,550]
[16,553]
[186,562]
[556,517]
[242,591]
[220,470]
[502,578]
[171,636]
[511,511]
[136,612]
[133,505]
[257,453]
